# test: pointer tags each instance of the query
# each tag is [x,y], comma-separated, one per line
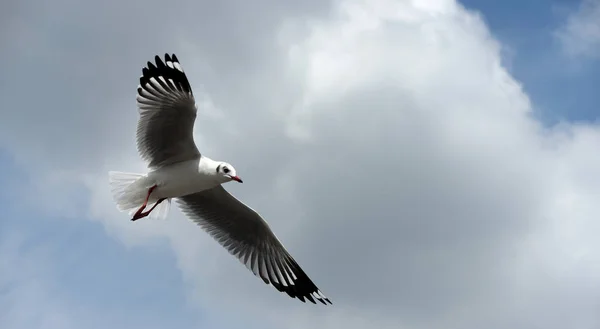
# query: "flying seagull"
[177,170]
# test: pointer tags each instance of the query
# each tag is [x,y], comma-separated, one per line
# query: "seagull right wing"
[167,113]
[244,233]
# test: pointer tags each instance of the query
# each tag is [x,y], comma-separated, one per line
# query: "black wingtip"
[173,75]
[303,287]
[159,63]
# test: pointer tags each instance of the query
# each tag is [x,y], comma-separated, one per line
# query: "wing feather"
[246,235]
[167,113]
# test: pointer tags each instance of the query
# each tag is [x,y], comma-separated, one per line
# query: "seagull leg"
[144,214]
[140,212]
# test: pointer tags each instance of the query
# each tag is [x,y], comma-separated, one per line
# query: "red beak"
[237,179]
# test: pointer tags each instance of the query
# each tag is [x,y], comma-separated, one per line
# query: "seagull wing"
[167,113]
[246,235]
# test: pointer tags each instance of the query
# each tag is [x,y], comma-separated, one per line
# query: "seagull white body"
[182,178]
[171,181]
[178,171]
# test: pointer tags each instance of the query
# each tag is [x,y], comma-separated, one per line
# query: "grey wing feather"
[167,113]
[244,233]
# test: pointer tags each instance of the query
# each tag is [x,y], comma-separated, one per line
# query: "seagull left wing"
[167,113]
[244,233]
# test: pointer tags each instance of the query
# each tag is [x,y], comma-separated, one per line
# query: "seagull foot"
[140,214]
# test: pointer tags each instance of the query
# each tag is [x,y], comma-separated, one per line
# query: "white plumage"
[177,170]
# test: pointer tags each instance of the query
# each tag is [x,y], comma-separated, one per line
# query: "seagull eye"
[225,170]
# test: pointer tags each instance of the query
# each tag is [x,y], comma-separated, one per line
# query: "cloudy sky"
[429,163]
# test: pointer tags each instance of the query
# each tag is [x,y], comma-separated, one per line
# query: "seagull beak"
[237,179]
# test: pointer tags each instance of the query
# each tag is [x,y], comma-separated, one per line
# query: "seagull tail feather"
[125,192]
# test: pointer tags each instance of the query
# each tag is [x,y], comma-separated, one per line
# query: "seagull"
[177,170]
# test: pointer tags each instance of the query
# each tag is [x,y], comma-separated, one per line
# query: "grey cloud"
[411,201]
[70,72]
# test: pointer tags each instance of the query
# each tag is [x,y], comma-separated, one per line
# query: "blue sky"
[561,88]
[85,271]
[80,252]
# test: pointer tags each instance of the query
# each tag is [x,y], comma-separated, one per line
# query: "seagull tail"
[125,191]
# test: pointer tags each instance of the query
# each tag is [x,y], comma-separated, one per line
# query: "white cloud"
[397,160]
[580,35]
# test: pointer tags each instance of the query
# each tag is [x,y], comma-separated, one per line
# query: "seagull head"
[227,171]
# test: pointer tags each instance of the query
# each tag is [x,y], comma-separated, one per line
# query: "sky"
[430,164]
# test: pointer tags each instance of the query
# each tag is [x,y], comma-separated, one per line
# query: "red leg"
[139,212]
[144,214]
[154,206]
